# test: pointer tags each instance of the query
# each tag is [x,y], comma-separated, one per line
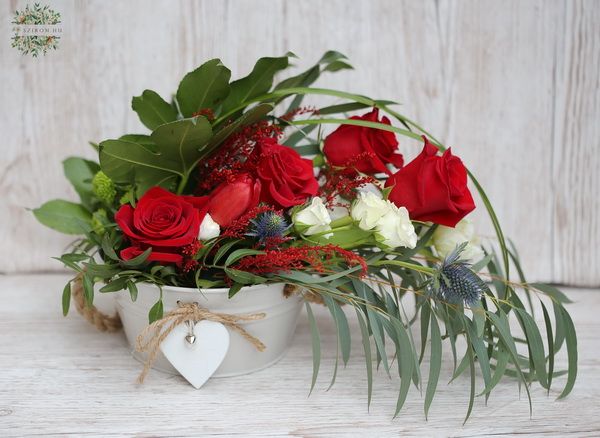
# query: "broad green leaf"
[435,363]
[258,82]
[153,110]
[80,173]
[156,312]
[134,162]
[205,87]
[181,141]
[66,298]
[64,216]
[316,345]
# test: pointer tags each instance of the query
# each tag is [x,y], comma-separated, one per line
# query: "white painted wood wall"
[513,86]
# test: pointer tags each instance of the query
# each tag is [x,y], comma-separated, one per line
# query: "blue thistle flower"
[456,283]
[268,225]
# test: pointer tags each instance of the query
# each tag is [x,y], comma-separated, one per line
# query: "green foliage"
[152,110]
[64,216]
[205,87]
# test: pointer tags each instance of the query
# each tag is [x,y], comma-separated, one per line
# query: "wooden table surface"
[59,376]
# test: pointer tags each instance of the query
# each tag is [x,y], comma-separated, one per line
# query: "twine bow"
[154,334]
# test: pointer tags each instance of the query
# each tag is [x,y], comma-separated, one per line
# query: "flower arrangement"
[239,184]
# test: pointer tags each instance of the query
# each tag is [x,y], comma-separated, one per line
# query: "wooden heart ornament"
[196,355]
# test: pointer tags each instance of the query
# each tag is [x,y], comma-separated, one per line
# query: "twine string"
[150,339]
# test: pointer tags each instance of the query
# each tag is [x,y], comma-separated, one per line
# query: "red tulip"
[232,199]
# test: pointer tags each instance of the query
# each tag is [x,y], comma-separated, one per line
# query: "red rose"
[287,178]
[232,199]
[432,187]
[366,149]
[162,221]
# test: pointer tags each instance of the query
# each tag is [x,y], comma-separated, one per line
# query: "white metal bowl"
[275,330]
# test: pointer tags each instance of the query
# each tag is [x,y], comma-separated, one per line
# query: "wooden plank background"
[513,86]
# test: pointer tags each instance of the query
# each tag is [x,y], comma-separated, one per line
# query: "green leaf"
[316,345]
[552,292]
[88,290]
[153,110]
[181,141]
[133,290]
[80,173]
[223,249]
[115,285]
[258,82]
[234,289]
[571,340]
[156,312]
[138,260]
[425,316]
[472,391]
[239,253]
[66,298]
[535,345]
[205,87]
[64,216]
[368,358]
[244,277]
[550,339]
[137,162]
[342,328]
[435,362]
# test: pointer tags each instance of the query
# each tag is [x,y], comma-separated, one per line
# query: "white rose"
[446,239]
[395,229]
[368,209]
[208,228]
[314,218]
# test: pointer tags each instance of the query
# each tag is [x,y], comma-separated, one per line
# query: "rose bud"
[433,187]
[366,149]
[232,199]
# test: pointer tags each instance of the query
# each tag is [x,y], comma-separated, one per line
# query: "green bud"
[99,220]
[104,188]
